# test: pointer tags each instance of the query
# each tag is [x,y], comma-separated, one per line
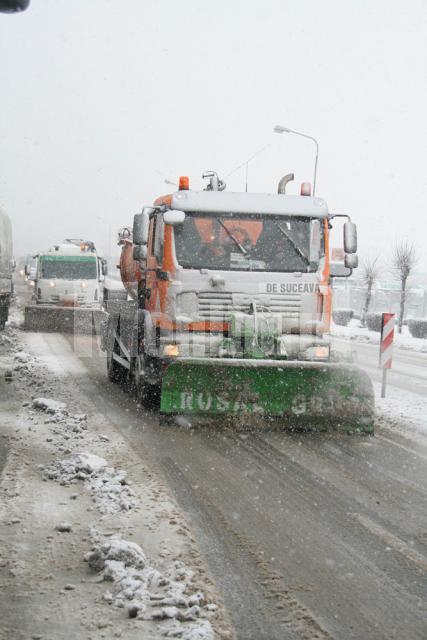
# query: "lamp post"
[279,129]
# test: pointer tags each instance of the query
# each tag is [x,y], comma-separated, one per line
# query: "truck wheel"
[116,373]
[147,395]
[3,316]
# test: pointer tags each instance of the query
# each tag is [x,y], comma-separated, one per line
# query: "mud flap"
[306,394]
[63,319]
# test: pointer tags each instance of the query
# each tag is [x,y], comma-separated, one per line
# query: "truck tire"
[3,314]
[116,373]
[147,394]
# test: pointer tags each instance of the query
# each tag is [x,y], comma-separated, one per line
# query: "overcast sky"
[101,100]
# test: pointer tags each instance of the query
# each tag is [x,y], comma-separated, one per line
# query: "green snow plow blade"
[308,395]
[75,320]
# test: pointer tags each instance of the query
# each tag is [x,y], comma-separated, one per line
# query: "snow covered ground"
[403,411]
[402,341]
[88,532]
[405,406]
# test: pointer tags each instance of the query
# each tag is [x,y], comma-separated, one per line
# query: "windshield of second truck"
[249,243]
[68,268]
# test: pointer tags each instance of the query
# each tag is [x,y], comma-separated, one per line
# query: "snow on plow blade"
[302,394]
[63,319]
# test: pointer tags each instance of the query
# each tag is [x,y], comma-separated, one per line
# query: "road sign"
[386,347]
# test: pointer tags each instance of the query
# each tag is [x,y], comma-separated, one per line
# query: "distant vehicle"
[27,269]
[13,6]
[229,309]
[6,267]
[68,285]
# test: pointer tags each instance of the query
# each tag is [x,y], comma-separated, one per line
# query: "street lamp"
[279,129]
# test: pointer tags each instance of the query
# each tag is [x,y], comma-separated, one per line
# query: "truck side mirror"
[141,224]
[351,261]
[140,252]
[350,237]
[26,270]
[104,267]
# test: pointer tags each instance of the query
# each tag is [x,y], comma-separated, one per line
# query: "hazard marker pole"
[386,347]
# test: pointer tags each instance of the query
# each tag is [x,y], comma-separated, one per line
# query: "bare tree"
[404,258]
[370,272]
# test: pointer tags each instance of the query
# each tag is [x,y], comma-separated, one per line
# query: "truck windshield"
[249,242]
[68,268]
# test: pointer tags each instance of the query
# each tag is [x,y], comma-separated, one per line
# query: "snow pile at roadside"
[149,594]
[8,339]
[357,333]
[404,411]
[49,406]
[58,414]
[108,487]
[23,362]
[23,357]
[25,368]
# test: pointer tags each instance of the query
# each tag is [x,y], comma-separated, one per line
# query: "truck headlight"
[51,283]
[321,352]
[171,350]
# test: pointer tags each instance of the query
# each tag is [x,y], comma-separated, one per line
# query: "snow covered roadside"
[401,341]
[72,490]
[402,411]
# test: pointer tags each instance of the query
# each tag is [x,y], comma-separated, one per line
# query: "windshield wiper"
[236,242]
[299,251]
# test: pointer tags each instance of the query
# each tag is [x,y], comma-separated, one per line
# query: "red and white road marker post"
[386,347]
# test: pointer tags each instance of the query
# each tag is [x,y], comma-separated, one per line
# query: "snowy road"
[308,536]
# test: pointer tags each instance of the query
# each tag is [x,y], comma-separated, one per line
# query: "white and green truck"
[68,288]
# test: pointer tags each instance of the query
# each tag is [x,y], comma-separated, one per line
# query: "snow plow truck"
[229,310]
[67,291]
[6,268]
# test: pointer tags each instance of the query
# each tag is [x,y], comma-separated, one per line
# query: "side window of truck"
[158,232]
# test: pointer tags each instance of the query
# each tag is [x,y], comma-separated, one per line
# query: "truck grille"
[56,299]
[219,305]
